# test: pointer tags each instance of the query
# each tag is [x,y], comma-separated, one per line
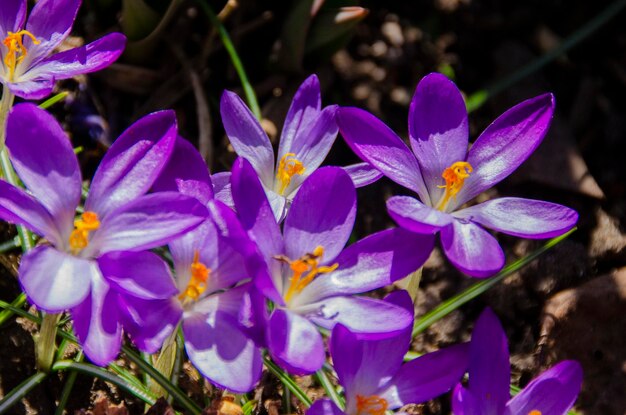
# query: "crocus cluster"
[258,260]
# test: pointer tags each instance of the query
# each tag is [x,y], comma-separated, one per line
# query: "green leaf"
[287,381]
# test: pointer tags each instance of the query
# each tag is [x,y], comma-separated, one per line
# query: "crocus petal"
[551,393]
[304,109]
[50,21]
[294,343]
[376,144]
[221,352]
[362,174]
[247,136]
[133,162]
[32,89]
[427,377]
[525,218]
[438,129]
[506,144]
[324,406]
[149,322]
[149,221]
[221,188]
[43,157]
[55,280]
[17,206]
[142,274]
[278,204]
[489,367]
[415,216]
[85,59]
[185,165]
[97,323]
[464,402]
[472,249]
[362,315]
[12,16]
[371,263]
[322,214]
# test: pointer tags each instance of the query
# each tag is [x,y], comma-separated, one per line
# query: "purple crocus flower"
[94,264]
[373,375]
[29,68]
[551,393]
[308,134]
[307,273]
[213,296]
[445,175]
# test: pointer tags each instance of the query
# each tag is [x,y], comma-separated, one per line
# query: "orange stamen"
[372,405]
[79,238]
[534,412]
[197,283]
[288,167]
[454,176]
[309,264]
[17,51]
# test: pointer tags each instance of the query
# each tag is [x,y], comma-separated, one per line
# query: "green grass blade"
[480,287]
[16,304]
[328,386]
[20,391]
[287,381]
[53,100]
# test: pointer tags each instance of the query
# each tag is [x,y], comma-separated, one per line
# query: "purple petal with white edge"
[506,144]
[304,109]
[33,89]
[415,216]
[363,315]
[219,349]
[43,158]
[221,188]
[525,218]
[247,136]
[371,263]
[427,377]
[324,406]
[149,322]
[12,16]
[322,214]
[362,174]
[17,206]
[489,366]
[464,402]
[472,249]
[55,280]
[551,393]
[149,221]
[185,164]
[133,162]
[97,323]
[376,144]
[294,343]
[438,129]
[85,59]
[142,274]
[50,21]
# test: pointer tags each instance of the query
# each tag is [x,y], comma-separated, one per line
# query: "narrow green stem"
[7,313]
[67,388]
[10,245]
[53,100]
[328,386]
[46,341]
[20,391]
[234,57]
[287,381]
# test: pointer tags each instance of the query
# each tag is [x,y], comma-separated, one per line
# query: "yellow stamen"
[454,176]
[372,405]
[197,283]
[17,51]
[79,238]
[288,167]
[309,264]
[534,412]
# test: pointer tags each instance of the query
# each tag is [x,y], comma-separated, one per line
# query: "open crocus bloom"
[95,264]
[308,134]
[308,274]
[445,175]
[373,375]
[29,67]
[551,393]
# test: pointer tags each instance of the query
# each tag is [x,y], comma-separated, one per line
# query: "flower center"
[17,51]
[288,167]
[79,238]
[372,405]
[454,176]
[197,283]
[305,269]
